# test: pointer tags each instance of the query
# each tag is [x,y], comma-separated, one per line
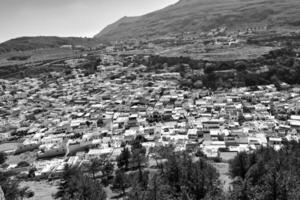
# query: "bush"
[3,157]
[23,164]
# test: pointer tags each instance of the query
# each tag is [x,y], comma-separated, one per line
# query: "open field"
[29,157]
[43,190]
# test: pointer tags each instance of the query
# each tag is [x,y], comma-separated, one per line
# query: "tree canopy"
[267,174]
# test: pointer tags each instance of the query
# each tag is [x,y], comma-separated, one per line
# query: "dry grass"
[8,146]
[43,190]
[29,157]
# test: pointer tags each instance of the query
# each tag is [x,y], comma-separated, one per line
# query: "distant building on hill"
[66,46]
[252,27]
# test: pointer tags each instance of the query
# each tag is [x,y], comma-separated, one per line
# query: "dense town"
[76,118]
[198,100]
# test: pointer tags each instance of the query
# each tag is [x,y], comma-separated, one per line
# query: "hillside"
[42,42]
[203,15]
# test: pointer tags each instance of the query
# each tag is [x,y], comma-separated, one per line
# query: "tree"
[95,166]
[100,122]
[121,182]
[239,165]
[88,123]
[157,189]
[3,157]
[107,171]
[193,180]
[183,178]
[68,71]
[123,158]
[31,172]
[241,119]
[23,164]
[137,161]
[139,185]
[88,189]
[198,84]
[137,145]
[65,189]
[240,190]
[267,174]
[138,158]
[25,192]
[161,152]
[78,186]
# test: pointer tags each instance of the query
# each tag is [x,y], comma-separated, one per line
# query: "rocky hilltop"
[204,15]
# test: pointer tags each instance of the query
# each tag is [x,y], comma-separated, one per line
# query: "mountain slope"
[203,15]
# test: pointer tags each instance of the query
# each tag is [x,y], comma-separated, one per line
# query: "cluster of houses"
[72,121]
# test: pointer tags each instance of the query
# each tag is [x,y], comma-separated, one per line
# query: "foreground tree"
[241,164]
[88,188]
[196,180]
[121,182]
[182,178]
[11,189]
[267,174]
[3,157]
[95,167]
[123,159]
[107,170]
[157,189]
[65,188]
[138,161]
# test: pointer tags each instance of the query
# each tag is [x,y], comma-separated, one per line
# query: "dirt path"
[223,169]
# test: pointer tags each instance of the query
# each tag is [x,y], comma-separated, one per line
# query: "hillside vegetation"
[264,174]
[204,15]
[42,42]
[267,174]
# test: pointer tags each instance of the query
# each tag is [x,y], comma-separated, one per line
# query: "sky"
[82,18]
